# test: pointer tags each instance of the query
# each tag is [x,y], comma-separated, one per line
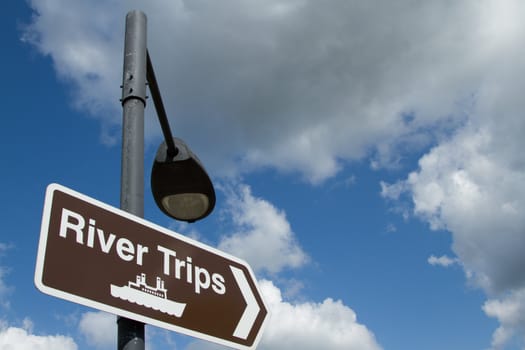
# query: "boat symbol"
[155,298]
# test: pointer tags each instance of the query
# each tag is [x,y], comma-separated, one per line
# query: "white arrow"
[252,307]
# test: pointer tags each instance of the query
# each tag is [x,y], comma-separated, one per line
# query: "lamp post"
[181,187]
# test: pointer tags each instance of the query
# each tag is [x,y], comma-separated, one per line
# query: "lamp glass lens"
[186,206]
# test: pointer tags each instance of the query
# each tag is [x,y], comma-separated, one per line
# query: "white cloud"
[510,312]
[467,186]
[472,185]
[14,338]
[254,84]
[100,329]
[83,40]
[392,191]
[264,237]
[443,261]
[328,325]
[471,182]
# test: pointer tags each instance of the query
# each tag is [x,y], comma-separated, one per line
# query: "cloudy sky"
[367,158]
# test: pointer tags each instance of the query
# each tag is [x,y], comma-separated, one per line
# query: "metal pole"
[130,332]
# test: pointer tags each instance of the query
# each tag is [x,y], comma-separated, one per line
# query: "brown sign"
[102,257]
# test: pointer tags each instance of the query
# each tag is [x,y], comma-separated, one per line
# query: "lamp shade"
[181,187]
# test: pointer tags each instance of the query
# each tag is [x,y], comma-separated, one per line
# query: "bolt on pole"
[130,332]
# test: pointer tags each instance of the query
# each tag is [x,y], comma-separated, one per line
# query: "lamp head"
[181,187]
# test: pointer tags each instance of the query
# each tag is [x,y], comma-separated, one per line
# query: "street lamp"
[181,187]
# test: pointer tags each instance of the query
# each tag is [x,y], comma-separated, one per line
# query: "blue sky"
[367,160]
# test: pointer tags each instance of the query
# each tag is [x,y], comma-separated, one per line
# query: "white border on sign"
[44,230]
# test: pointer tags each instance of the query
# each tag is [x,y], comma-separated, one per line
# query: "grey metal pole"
[130,332]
